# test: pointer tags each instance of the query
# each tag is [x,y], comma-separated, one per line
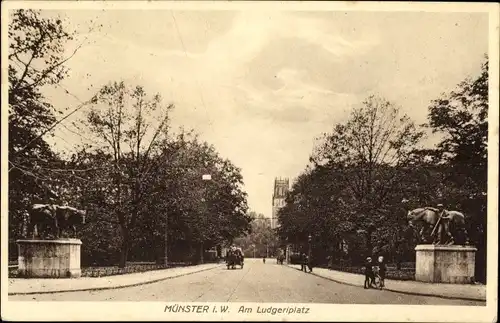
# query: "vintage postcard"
[249,161]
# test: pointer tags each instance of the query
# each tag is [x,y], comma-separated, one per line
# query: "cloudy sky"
[259,85]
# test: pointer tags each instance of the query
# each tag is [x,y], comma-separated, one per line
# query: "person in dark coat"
[369,276]
[382,270]
[310,264]
[303,262]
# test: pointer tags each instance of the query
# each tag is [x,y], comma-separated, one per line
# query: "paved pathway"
[256,282]
[33,286]
[468,292]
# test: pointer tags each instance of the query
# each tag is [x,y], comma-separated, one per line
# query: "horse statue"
[53,220]
[446,228]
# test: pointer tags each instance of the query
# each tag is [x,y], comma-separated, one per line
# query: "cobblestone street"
[256,282]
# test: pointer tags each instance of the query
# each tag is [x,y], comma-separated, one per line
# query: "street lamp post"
[165,238]
[309,238]
[287,250]
[205,178]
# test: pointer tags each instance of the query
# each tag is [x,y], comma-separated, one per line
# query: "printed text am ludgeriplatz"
[178,308]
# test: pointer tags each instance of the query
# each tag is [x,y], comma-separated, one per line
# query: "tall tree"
[201,214]
[122,118]
[36,60]
[461,117]
[373,149]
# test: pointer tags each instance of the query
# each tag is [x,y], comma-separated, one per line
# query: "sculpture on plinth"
[54,251]
[444,255]
[439,226]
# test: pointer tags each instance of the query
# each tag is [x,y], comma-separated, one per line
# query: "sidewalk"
[20,286]
[453,291]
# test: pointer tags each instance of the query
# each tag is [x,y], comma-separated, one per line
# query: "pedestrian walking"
[369,276]
[303,262]
[382,270]
[310,264]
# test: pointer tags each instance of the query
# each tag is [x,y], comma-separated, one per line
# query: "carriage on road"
[234,258]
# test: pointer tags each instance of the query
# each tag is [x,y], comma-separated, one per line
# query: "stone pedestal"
[445,264]
[49,258]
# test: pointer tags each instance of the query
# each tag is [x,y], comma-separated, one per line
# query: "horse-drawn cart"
[233,260]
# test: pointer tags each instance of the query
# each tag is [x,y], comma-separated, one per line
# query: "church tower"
[281,188]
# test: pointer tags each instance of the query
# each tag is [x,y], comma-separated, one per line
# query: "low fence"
[404,273]
[129,269]
[115,270]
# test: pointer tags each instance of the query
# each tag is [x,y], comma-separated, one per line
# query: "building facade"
[262,221]
[281,188]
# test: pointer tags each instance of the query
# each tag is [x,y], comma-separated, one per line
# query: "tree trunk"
[201,252]
[192,254]
[219,251]
[165,239]
[160,250]
[124,250]
[369,245]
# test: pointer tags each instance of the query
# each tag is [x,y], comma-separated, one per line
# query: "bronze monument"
[54,221]
[439,227]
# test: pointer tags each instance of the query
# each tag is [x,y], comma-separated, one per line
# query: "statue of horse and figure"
[53,221]
[439,227]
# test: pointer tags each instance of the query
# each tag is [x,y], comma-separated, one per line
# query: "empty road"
[256,282]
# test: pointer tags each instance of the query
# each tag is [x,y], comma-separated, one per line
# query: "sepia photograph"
[249,161]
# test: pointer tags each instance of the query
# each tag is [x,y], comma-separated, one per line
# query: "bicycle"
[378,281]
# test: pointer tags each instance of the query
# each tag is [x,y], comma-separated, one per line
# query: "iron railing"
[114,270]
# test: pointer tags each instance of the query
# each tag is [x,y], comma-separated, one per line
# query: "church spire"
[281,188]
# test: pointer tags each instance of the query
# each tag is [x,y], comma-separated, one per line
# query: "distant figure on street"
[369,276]
[264,259]
[310,264]
[304,261]
[382,270]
